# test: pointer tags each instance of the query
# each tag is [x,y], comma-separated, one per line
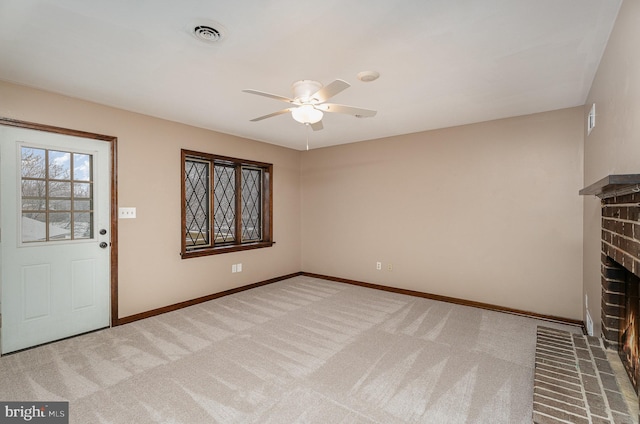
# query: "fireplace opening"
[628,348]
[621,315]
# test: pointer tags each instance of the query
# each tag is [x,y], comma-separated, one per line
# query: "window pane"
[33,204]
[82,225]
[82,205]
[82,190]
[197,176]
[81,167]
[224,203]
[60,205]
[34,227]
[59,165]
[59,189]
[33,163]
[33,188]
[46,186]
[59,226]
[251,204]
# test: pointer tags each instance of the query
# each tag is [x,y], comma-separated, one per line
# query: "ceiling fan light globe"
[307,114]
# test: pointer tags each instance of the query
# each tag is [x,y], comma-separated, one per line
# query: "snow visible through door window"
[56,195]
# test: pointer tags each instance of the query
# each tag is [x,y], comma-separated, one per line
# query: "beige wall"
[613,147]
[488,212]
[151,273]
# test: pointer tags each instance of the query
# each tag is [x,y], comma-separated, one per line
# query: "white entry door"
[54,240]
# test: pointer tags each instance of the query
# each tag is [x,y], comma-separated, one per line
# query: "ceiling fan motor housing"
[304,89]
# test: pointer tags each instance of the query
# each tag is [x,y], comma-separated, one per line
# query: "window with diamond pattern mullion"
[227,204]
[251,204]
[197,203]
[224,203]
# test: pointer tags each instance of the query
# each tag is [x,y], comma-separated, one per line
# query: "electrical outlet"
[378,266]
[389,267]
[124,213]
[239,267]
[234,268]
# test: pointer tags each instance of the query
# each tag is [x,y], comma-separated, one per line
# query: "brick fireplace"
[620,265]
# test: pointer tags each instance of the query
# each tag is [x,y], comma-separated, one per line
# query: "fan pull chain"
[307,125]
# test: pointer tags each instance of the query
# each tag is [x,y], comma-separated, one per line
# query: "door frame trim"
[113,141]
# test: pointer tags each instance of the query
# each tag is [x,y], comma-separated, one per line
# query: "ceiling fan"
[309,102]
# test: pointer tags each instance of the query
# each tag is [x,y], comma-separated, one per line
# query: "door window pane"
[59,225]
[34,188]
[82,225]
[60,205]
[33,204]
[59,165]
[56,195]
[82,205]
[81,167]
[34,227]
[82,190]
[59,189]
[33,163]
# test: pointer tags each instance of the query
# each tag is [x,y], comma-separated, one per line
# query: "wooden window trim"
[267,206]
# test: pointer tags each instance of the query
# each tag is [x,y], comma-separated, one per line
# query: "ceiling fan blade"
[280,112]
[349,110]
[330,90]
[317,126]
[271,96]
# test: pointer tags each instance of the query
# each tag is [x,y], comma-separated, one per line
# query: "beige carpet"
[302,350]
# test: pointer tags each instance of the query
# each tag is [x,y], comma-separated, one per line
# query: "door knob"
[104,245]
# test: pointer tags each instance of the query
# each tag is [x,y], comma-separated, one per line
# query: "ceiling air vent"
[207,33]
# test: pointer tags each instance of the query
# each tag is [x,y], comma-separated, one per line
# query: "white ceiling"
[442,62]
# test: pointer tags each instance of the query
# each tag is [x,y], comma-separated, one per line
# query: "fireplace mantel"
[613,185]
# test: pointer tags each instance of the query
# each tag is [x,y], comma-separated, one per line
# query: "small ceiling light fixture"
[306,114]
[368,76]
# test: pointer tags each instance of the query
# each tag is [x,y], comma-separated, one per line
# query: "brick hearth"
[574,381]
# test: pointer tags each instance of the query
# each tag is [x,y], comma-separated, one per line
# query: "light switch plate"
[126,213]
